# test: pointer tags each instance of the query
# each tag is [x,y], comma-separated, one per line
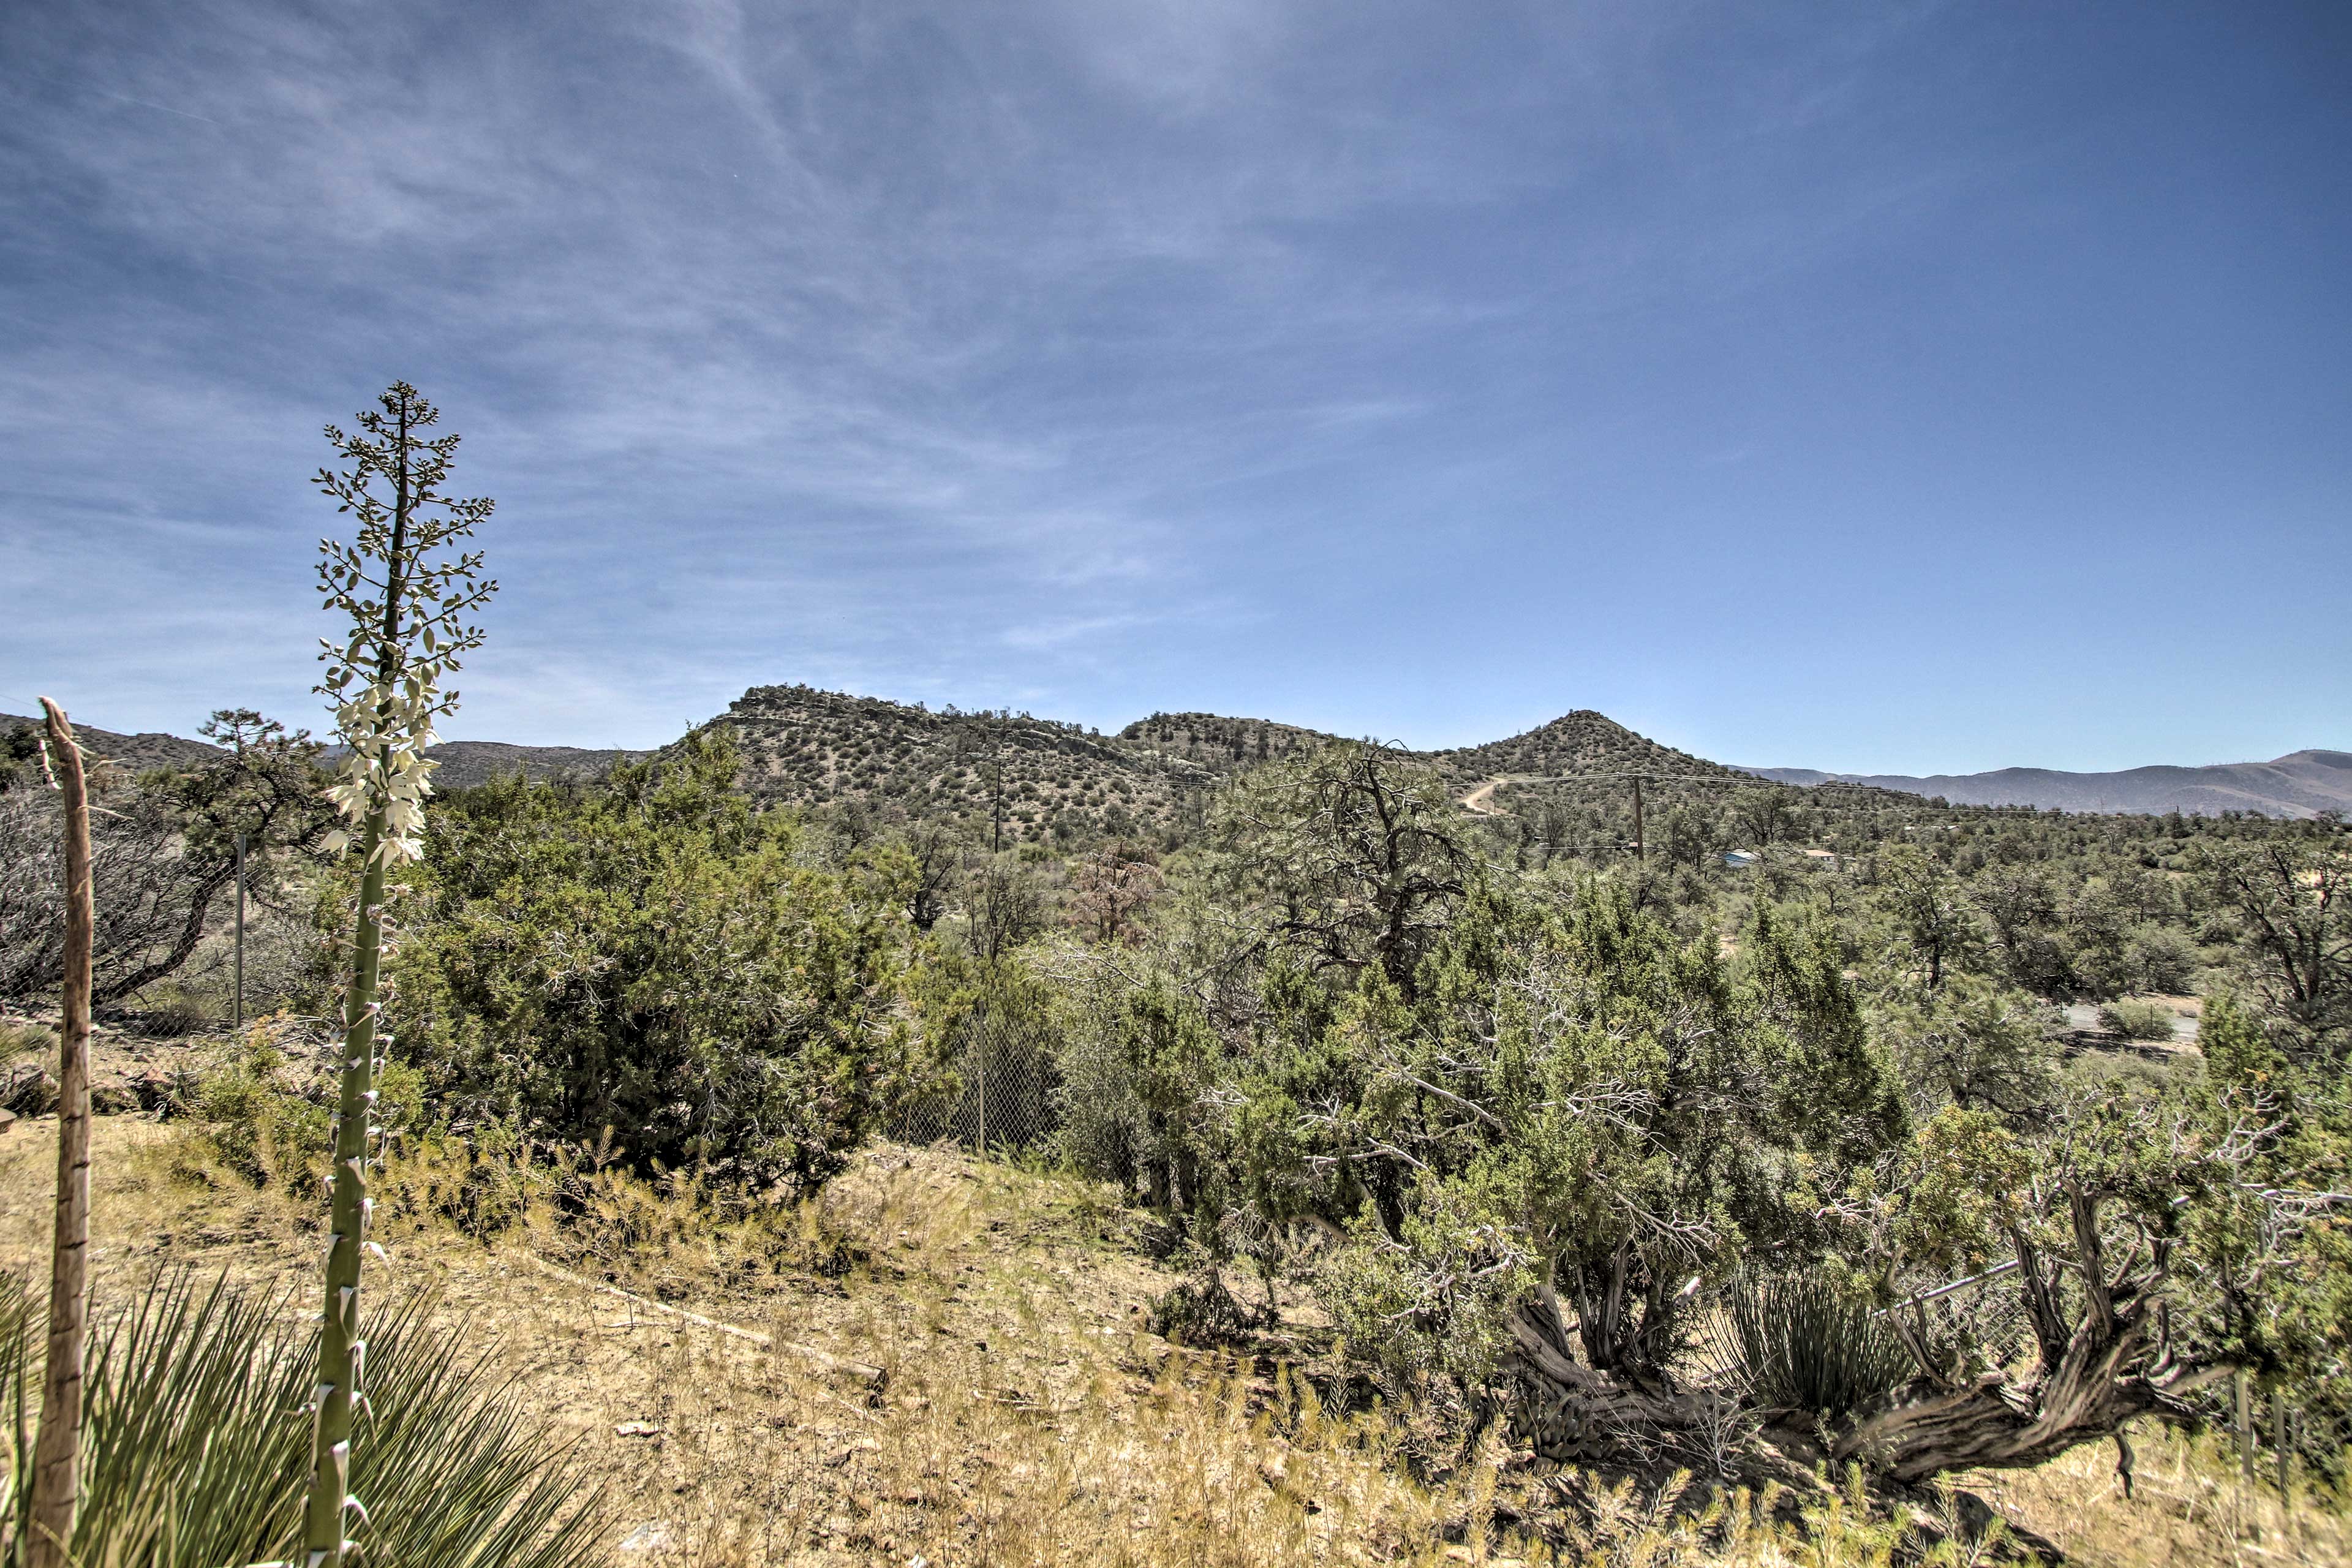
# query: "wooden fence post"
[57,1455]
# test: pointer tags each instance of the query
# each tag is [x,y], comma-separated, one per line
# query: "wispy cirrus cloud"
[963,352]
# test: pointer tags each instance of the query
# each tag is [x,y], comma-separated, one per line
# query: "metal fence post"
[2245,1428]
[2278,1436]
[240,932]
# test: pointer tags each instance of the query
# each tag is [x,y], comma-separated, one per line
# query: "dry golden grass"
[2190,1506]
[1028,1416]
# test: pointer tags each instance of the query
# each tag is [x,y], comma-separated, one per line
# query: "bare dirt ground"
[1481,800]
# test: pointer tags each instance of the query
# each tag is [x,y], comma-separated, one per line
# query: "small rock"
[636,1429]
[157,1091]
[28,1090]
[112,1097]
[654,1536]
[850,1450]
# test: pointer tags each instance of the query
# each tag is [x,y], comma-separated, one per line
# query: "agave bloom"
[407,612]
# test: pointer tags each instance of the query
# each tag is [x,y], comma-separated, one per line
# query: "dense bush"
[1575,1095]
[262,1104]
[1972,1043]
[651,964]
[2135,1019]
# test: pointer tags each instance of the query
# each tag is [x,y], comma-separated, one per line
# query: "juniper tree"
[408,599]
[162,857]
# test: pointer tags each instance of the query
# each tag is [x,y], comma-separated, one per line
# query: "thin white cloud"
[880,343]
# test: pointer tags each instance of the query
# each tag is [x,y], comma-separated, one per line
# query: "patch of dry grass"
[2189,1505]
[1028,1415]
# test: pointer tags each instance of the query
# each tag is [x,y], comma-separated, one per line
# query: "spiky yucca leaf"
[196,1451]
[1795,1341]
[17,1331]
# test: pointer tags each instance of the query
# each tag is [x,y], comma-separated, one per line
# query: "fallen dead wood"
[872,1376]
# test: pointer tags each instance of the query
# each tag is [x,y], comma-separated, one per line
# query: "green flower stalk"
[407,606]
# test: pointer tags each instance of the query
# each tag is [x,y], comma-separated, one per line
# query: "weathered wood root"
[1570,1413]
[2099,1378]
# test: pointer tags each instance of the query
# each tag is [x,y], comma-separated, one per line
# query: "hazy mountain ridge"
[464,763]
[805,746]
[136,753]
[2300,783]
[1579,742]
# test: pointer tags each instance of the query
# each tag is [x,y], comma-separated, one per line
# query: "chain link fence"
[995,1093]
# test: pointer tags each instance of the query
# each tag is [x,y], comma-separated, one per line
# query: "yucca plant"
[189,1460]
[407,605]
[1796,1342]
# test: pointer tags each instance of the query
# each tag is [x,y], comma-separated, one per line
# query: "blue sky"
[1889,387]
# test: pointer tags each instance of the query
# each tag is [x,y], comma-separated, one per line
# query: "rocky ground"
[130,1072]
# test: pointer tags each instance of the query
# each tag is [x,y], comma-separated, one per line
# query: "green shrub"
[2158,958]
[269,1127]
[1799,1342]
[256,1127]
[652,963]
[193,1454]
[173,1012]
[2137,1019]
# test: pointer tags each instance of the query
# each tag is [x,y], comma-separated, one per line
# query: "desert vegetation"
[1211,1142]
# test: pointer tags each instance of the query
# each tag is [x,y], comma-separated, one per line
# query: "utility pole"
[241,931]
[1639,854]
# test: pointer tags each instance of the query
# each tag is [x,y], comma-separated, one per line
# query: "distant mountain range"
[138,752]
[1031,775]
[806,745]
[463,763]
[2300,783]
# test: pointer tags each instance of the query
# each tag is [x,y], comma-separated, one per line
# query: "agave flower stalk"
[407,605]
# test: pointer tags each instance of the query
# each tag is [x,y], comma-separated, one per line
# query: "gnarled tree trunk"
[2105,1358]
[1567,1412]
